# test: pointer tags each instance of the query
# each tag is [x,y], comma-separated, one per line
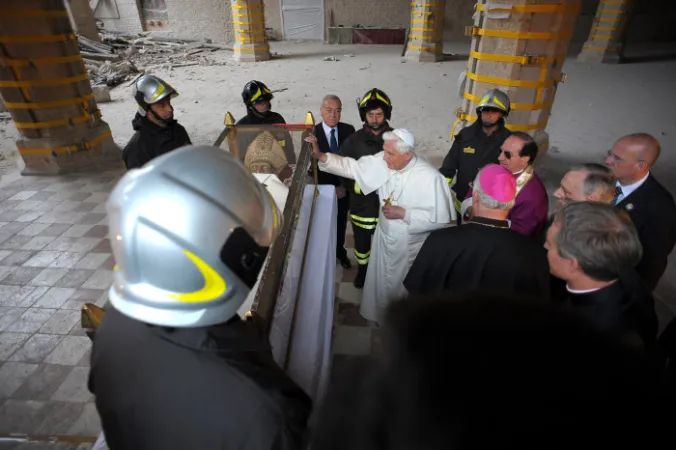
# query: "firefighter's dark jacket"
[282,135]
[207,388]
[151,140]
[472,150]
[362,143]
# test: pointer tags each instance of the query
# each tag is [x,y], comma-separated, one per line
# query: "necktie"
[618,192]
[334,141]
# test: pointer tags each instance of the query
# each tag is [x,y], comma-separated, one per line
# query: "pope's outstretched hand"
[316,153]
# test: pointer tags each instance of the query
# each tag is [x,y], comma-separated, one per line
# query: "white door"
[303,19]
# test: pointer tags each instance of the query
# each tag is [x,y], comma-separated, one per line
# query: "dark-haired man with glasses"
[650,206]
[529,214]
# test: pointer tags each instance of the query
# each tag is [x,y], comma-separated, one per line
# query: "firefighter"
[173,366]
[157,132]
[477,145]
[375,109]
[257,98]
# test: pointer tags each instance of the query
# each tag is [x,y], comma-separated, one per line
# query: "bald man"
[650,206]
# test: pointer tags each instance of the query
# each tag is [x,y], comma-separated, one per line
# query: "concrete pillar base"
[49,156]
[425,56]
[250,54]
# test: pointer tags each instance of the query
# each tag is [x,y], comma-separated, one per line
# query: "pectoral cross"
[388,200]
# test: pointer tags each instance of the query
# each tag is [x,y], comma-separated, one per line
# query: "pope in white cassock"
[415,200]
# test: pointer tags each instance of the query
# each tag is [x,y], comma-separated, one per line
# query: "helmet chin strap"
[158,117]
[256,113]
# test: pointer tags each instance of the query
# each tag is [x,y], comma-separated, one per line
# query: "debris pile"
[121,56]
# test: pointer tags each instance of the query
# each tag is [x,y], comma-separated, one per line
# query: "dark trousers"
[363,229]
[341,225]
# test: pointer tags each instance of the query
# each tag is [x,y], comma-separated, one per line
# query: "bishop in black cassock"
[483,253]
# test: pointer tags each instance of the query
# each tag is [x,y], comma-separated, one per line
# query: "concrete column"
[82,19]
[425,37]
[46,88]
[248,20]
[518,46]
[606,37]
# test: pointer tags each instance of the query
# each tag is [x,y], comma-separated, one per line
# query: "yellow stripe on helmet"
[214,284]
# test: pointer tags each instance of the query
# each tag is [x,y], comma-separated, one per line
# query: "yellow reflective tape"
[39,61]
[423,13]
[458,205]
[32,13]
[37,39]
[601,37]
[612,11]
[366,227]
[249,23]
[54,104]
[250,31]
[262,48]
[424,29]
[364,219]
[598,49]
[519,34]
[416,48]
[57,123]
[423,21]
[362,255]
[512,127]
[417,37]
[525,59]
[46,82]
[248,15]
[533,8]
[214,284]
[248,6]
[160,89]
[605,20]
[509,82]
[425,5]
[356,188]
[68,148]
[250,39]
[604,28]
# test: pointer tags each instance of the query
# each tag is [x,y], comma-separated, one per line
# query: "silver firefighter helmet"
[190,232]
[495,99]
[150,89]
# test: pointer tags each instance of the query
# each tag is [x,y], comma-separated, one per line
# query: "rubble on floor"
[121,56]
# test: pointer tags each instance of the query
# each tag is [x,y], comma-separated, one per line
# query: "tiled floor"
[54,256]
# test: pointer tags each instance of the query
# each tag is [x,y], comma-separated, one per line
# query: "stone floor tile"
[77,330]
[86,244]
[349,294]
[11,215]
[66,205]
[69,217]
[43,258]
[86,359]
[103,299]
[56,418]
[14,227]
[49,217]
[9,314]
[74,387]
[43,382]
[77,231]
[54,297]
[103,247]
[91,218]
[4,254]
[100,208]
[43,195]
[29,216]
[12,376]
[350,340]
[36,349]
[56,229]
[101,279]
[92,261]
[5,236]
[6,271]
[109,264]
[62,244]
[61,195]
[17,258]
[74,278]
[7,204]
[88,424]
[82,296]
[31,320]
[22,195]
[19,415]
[28,295]
[22,275]
[97,197]
[16,243]
[6,295]
[34,229]
[38,242]
[67,260]
[61,322]
[48,277]
[348,314]
[70,351]
[85,207]
[30,205]
[79,196]
[10,343]
[98,231]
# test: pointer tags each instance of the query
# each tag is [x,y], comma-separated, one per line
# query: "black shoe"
[344,261]
[361,276]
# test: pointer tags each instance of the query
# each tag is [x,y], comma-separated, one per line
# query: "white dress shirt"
[327,132]
[628,189]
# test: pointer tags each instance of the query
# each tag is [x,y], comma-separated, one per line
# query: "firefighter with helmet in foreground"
[173,366]
[477,145]
[375,109]
[157,132]
[257,99]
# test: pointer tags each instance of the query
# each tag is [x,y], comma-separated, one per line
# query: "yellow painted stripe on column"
[515,106]
[416,48]
[525,59]
[54,104]
[520,34]
[260,30]
[534,8]
[250,15]
[252,50]
[604,28]
[37,39]
[601,37]
[248,6]
[612,11]
[46,82]
[67,148]
[250,39]
[423,21]
[424,29]
[509,82]
[425,5]
[417,37]
[39,61]
[249,23]
[57,123]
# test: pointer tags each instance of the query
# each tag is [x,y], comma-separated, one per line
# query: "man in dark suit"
[331,133]
[650,206]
